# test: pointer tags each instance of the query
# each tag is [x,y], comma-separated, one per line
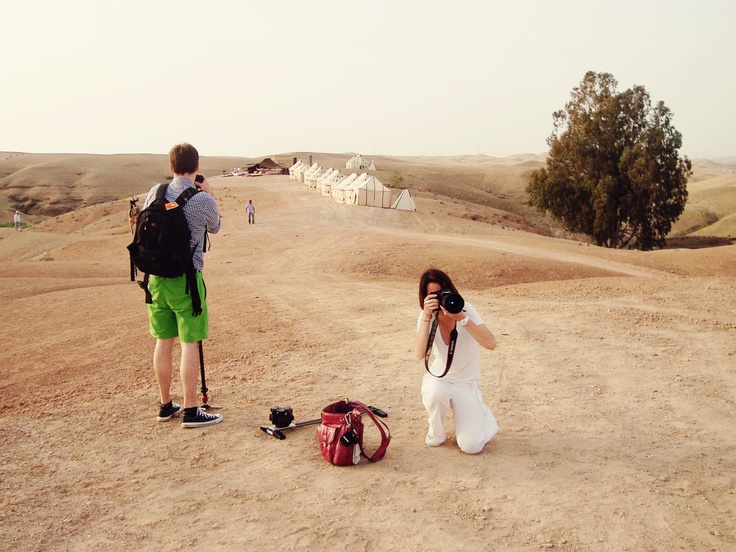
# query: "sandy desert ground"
[613,385]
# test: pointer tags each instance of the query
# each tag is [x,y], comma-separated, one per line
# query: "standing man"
[16,220]
[170,313]
[251,212]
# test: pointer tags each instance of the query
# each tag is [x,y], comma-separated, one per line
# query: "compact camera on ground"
[450,301]
[281,416]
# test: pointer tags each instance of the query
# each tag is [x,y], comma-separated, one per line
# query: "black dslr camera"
[450,301]
[281,416]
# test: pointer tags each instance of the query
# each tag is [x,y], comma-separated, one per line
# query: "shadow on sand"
[698,242]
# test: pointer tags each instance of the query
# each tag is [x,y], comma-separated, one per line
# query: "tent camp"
[404,202]
[358,162]
[371,193]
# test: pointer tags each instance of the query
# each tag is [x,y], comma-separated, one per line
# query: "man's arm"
[212,217]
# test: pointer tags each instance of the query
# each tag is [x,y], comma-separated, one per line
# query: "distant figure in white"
[251,212]
[16,220]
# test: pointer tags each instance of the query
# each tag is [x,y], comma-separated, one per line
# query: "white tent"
[372,193]
[306,174]
[404,202]
[350,189]
[325,185]
[311,178]
[327,175]
[359,162]
[338,190]
[295,168]
[299,173]
[354,162]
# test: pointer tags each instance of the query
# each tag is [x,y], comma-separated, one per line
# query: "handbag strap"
[382,428]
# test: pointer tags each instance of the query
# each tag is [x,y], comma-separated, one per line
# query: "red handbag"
[340,435]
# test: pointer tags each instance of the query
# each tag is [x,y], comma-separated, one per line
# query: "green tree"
[613,172]
[396,180]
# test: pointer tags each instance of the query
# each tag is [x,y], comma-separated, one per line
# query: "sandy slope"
[613,384]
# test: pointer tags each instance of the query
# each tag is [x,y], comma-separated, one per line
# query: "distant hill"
[727,161]
[46,185]
[485,188]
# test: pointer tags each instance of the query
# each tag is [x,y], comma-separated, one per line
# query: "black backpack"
[161,243]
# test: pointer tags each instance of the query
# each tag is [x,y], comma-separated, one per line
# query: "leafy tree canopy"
[614,172]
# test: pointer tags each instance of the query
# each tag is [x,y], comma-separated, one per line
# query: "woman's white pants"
[475,424]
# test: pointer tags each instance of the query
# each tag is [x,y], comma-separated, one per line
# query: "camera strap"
[450,348]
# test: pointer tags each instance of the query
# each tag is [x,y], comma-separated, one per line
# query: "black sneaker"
[200,419]
[168,411]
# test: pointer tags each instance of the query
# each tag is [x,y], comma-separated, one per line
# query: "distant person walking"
[16,220]
[251,212]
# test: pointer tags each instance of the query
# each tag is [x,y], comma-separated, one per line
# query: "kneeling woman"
[475,424]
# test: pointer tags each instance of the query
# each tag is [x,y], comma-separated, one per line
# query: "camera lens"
[451,302]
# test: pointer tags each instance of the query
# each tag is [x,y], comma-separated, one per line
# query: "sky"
[255,78]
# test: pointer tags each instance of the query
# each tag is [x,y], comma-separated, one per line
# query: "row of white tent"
[353,189]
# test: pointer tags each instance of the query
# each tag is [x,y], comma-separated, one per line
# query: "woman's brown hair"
[438,277]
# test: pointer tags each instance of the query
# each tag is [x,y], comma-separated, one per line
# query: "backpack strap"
[161,190]
[185,196]
[144,286]
[205,242]
[382,428]
[191,288]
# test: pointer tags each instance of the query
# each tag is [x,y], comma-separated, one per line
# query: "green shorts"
[170,314]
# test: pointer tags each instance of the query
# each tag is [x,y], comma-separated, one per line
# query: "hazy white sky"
[251,78]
